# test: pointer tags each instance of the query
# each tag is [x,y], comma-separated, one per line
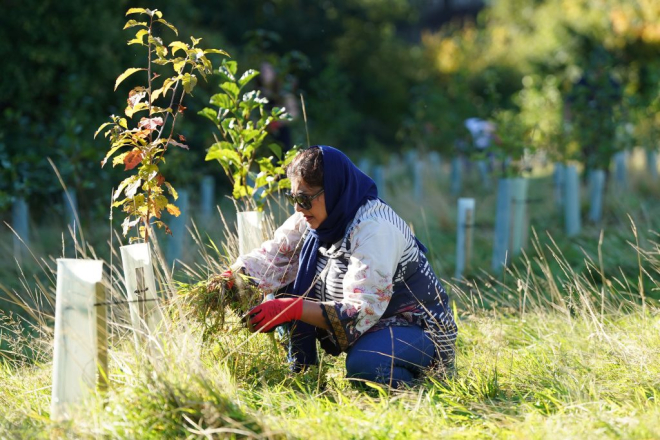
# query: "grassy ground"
[563,344]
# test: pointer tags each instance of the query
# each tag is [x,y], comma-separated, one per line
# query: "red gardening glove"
[268,315]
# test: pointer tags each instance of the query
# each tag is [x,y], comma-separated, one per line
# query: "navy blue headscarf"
[346,189]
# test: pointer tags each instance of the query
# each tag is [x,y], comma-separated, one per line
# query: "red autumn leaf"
[150,123]
[178,144]
[133,159]
[160,179]
[182,109]
[182,138]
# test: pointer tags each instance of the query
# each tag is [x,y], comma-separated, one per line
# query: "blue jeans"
[391,356]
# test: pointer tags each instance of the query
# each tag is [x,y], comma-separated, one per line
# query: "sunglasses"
[302,200]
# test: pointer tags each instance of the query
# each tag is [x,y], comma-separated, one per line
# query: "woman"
[355,275]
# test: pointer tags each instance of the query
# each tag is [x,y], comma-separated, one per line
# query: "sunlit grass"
[563,344]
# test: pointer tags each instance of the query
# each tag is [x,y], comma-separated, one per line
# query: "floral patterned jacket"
[375,276]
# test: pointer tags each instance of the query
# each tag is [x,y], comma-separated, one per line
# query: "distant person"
[482,132]
[355,278]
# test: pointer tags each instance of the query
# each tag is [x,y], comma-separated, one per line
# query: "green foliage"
[242,120]
[143,147]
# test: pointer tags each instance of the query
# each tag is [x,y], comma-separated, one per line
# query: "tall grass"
[564,344]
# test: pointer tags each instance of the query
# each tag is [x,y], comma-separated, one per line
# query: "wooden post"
[178,226]
[77,334]
[597,188]
[20,217]
[502,225]
[455,176]
[207,199]
[558,177]
[465,226]
[572,201]
[250,231]
[519,202]
[141,292]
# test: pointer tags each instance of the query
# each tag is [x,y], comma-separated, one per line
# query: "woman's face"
[316,214]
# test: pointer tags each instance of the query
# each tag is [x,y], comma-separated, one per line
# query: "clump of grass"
[208,301]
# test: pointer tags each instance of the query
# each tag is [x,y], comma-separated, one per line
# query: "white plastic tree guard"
[418,180]
[379,178]
[572,201]
[620,170]
[178,225]
[652,163]
[558,177]
[207,198]
[20,218]
[484,173]
[250,231]
[455,185]
[365,166]
[519,225]
[80,333]
[146,315]
[502,225]
[597,188]
[465,226]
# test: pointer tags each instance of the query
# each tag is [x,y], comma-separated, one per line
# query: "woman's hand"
[268,315]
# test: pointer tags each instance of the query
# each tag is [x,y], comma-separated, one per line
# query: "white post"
[519,226]
[572,201]
[597,187]
[178,226]
[250,231]
[20,217]
[465,226]
[502,225]
[141,292]
[76,340]
[207,198]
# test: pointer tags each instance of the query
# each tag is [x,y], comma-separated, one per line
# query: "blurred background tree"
[378,76]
